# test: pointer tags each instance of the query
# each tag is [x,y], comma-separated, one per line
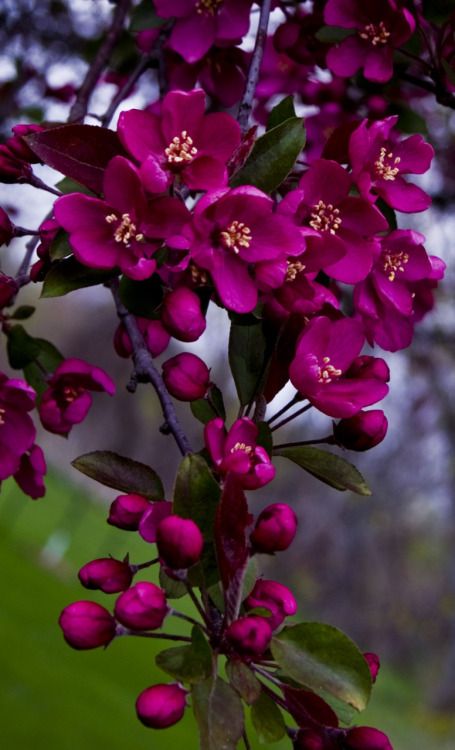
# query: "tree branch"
[80,106]
[146,61]
[146,372]
[246,104]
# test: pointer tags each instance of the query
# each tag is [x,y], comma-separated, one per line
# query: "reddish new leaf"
[308,708]
[80,152]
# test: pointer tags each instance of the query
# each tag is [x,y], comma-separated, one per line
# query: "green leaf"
[284,110]
[67,185]
[142,298]
[60,247]
[144,17]
[173,589]
[23,312]
[210,407]
[332,34]
[121,473]
[247,357]
[21,347]
[243,681]
[273,156]
[196,493]
[219,714]
[322,658]
[267,719]
[265,437]
[188,663]
[328,467]
[68,274]
[45,363]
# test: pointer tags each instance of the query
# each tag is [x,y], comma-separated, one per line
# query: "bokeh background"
[381,568]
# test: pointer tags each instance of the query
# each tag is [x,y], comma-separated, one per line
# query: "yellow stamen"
[236,236]
[181,149]
[328,372]
[386,165]
[325,218]
[394,263]
[375,33]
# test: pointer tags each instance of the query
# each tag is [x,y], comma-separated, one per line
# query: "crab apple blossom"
[275,529]
[106,574]
[232,231]
[181,143]
[366,738]
[380,27]
[273,596]
[156,338]
[142,607]
[237,452]
[161,706]
[202,23]
[186,376]
[87,625]
[379,160]
[66,401]
[339,228]
[321,369]
[30,475]
[17,431]
[152,517]
[182,314]
[179,541]
[249,636]
[363,431]
[127,510]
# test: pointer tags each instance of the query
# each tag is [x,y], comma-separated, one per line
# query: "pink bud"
[272,596]
[87,625]
[19,147]
[127,510]
[362,431]
[365,738]
[310,739]
[142,607]
[182,314]
[155,335]
[249,635]
[186,377]
[275,528]
[8,289]
[6,228]
[12,169]
[106,574]
[366,366]
[179,542]
[374,664]
[160,706]
[152,518]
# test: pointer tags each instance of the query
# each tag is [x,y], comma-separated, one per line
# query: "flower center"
[328,372]
[394,263]
[208,7]
[236,236]
[375,33]
[325,218]
[198,276]
[242,447]
[126,229]
[293,269]
[70,393]
[2,413]
[385,165]
[181,149]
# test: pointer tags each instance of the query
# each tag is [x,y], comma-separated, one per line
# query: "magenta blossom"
[122,231]
[161,706]
[233,231]
[379,160]
[182,142]
[380,27]
[17,431]
[30,474]
[338,227]
[237,451]
[67,401]
[322,368]
[249,636]
[156,337]
[275,597]
[201,23]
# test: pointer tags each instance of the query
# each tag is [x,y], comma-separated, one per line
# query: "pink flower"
[326,368]
[186,376]
[237,452]
[233,231]
[122,231]
[17,431]
[249,636]
[275,529]
[30,474]
[161,706]
[338,227]
[363,431]
[142,607]
[179,541]
[127,511]
[155,336]
[87,625]
[106,574]
[381,26]
[181,143]
[275,597]
[379,160]
[201,23]
[67,401]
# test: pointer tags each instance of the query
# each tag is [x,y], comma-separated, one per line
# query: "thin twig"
[292,416]
[80,106]
[329,440]
[246,104]
[146,372]
[164,636]
[196,601]
[246,741]
[287,406]
[146,61]
[183,616]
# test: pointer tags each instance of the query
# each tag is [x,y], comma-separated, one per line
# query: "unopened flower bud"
[155,336]
[106,574]
[272,596]
[161,706]
[249,635]
[374,664]
[8,288]
[127,510]
[182,314]
[19,147]
[366,366]
[6,228]
[87,625]
[12,169]
[362,431]
[152,517]
[142,607]
[179,542]
[186,376]
[275,528]
[366,738]
[310,739]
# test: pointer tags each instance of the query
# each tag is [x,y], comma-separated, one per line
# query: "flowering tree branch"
[246,104]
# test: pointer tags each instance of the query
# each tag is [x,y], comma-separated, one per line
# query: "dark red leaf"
[80,152]
[308,708]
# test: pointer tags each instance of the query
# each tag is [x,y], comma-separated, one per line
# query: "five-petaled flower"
[237,452]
